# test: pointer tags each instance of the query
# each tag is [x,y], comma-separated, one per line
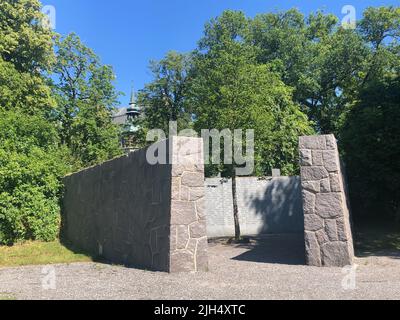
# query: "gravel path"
[256,271]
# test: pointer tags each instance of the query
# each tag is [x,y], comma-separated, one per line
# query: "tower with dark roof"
[127,118]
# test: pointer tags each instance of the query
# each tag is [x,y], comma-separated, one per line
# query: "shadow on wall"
[266,206]
[277,202]
[277,249]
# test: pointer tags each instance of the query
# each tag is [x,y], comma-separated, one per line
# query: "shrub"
[30,169]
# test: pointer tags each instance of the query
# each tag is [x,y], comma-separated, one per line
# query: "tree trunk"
[235,206]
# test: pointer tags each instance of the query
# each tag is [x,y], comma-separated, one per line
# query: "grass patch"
[7,297]
[39,253]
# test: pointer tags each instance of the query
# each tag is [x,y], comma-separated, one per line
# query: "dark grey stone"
[130,212]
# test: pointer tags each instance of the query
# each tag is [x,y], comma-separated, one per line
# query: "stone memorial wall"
[137,214]
[328,234]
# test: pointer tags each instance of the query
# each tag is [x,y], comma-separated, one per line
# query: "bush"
[30,169]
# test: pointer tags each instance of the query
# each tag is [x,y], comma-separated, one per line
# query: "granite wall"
[328,234]
[133,213]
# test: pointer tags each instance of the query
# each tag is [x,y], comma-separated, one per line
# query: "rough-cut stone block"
[182,237]
[192,245]
[201,255]
[322,237]
[331,229]
[183,213]
[198,229]
[329,205]
[317,158]
[196,193]
[326,214]
[313,143]
[182,261]
[325,185]
[308,202]
[177,170]
[331,160]
[306,158]
[176,189]
[312,186]
[313,173]
[331,143]
[313,253]
[336,254]
[336,184]
[184,193]
[201,209]
[173,238]
[193,179]
[343,233]
[313,222]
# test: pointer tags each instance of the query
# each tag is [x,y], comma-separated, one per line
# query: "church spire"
[132,102]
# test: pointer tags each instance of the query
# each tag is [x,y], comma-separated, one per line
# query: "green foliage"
[26,51]
[30,168]
[46,130]
[371,140]
[24,91]
[24,41]
[230,90]
[165,98]
[30,164]
[379,24]
[316,57]
[266,72]
[370,132]
[85,100]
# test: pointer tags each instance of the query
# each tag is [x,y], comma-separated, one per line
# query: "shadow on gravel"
[377,239]
[78,250]
[275,249]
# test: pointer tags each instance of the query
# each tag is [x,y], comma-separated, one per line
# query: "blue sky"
[127,34]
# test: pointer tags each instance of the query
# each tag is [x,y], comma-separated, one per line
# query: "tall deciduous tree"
[31,161]
[231,91]
[370,135]
[165,98]
[26,53]
[86,98]
[314,55]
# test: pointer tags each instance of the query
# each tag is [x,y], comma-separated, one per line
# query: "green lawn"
[6,297]
[39,253]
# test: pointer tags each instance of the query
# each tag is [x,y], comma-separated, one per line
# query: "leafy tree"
[26,52]
[380,28]
[316,57]
[371,141]
[30,187]
[86,98]
[24,42]
[30,157]
[370,134]
[231,91]
[165,98]
[24,91]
